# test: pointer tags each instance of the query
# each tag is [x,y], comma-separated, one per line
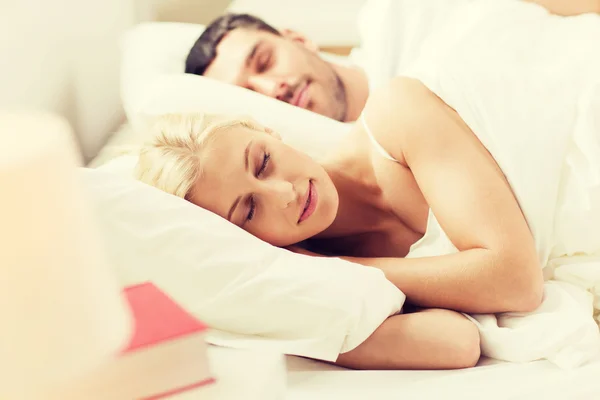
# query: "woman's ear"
[301,39]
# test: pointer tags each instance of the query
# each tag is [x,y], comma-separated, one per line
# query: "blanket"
[528,84]
[393,32]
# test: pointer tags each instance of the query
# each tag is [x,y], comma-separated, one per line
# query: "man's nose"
[273,87]
[282,192]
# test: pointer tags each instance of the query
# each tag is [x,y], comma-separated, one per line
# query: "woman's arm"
[430,339]
[496,269]
[569,7]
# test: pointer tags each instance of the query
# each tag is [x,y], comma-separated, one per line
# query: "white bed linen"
[252,294]
[519,76]
[490,380]
[392,33]
[124,141]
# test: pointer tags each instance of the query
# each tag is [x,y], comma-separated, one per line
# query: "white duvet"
[528,84]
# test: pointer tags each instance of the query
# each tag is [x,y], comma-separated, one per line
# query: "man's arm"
[569,7]
[429,339]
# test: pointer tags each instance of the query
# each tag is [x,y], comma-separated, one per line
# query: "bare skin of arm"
[569,7]
[429,339]
[496,268]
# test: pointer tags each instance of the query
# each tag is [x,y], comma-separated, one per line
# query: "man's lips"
[300,98]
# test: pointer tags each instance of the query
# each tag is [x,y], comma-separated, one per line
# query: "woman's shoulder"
[400,110]
[402,90]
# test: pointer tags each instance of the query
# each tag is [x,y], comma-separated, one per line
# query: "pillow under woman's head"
[251,293]
[241,171]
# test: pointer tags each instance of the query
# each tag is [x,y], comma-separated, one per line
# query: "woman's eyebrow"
[247,155]
[233,207]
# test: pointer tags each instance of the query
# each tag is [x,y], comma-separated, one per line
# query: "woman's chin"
[287,242]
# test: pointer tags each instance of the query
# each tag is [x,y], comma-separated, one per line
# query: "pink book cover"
[158,318]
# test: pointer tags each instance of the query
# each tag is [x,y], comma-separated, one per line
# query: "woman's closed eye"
[251,203]
[264,164]
[251,208]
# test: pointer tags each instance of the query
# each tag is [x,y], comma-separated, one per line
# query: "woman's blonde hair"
[172,160]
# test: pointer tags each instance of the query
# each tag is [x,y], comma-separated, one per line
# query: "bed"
[81,82]
[489,380]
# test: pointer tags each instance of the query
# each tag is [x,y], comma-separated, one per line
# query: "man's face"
[284,67]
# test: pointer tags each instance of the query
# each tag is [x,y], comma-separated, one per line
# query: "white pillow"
[154,82]
[255,294]
[123,165]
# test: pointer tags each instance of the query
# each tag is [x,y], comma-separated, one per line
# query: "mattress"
[308,379]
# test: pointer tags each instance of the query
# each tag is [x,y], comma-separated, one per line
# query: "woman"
[369,203]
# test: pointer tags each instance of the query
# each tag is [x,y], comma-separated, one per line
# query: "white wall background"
[63,56]
[327,22]
[193,11]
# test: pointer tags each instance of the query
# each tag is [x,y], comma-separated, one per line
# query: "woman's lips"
[310,204]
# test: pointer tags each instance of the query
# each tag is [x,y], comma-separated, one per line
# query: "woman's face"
[269,189]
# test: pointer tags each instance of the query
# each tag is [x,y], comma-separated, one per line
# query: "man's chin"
[336,112]
[330,110]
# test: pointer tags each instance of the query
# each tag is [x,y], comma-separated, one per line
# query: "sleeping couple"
[417,170]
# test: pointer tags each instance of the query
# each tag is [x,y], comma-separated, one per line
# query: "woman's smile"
[310,203]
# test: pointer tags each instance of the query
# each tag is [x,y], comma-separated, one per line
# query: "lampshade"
[61,310]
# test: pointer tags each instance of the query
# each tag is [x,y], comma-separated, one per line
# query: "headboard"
[63,56]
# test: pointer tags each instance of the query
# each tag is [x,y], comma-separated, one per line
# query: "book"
[167,354]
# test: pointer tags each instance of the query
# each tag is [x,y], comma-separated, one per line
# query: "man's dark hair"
[204,50]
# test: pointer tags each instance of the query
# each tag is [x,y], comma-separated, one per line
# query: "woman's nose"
[282,191]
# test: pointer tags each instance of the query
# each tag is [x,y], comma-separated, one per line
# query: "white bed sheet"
[121,142]
[308,379]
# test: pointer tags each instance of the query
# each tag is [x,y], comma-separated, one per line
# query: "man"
[245,51]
